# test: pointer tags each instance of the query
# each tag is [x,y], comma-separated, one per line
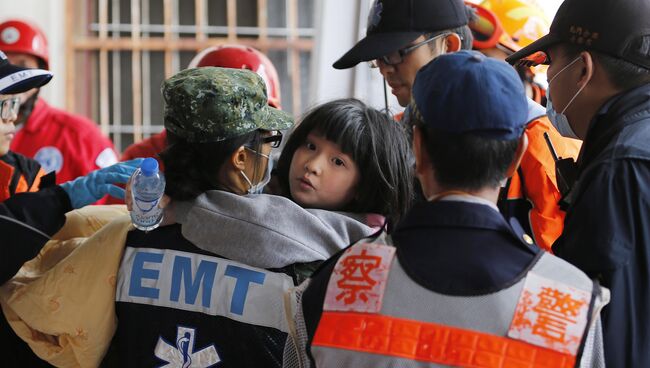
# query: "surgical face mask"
[558,119]
[259,187]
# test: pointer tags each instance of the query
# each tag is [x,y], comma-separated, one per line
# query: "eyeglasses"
[9,107]
[275,140]
[397,57]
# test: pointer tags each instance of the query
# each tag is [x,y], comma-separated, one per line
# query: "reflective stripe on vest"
[431,342]
[552,325]
[205,284]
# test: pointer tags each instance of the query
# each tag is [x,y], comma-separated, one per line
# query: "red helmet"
[242,57]
[25,38]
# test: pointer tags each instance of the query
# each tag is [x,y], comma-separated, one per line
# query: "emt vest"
[375,315]
[179,306]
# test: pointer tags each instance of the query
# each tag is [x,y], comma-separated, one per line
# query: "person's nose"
[384,68]
[314,165]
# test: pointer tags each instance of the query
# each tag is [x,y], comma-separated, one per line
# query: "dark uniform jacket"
[607,227]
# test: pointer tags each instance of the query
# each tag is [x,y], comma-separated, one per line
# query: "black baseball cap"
[15,79]
[620,28]
[393,24]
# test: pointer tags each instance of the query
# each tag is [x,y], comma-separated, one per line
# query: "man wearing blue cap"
[454,284]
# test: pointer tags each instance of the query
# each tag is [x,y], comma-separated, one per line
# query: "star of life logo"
[181,354]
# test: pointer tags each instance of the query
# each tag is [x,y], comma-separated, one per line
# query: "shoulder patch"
[550,314]
[50,158]
[106,158]
[358,281]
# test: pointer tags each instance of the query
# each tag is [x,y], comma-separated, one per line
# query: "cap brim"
[270,118]
[374,46]
[540,45]
[18,80]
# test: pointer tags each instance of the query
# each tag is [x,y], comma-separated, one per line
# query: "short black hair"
[623,74]
[191,168]
[377,144]
[467,161]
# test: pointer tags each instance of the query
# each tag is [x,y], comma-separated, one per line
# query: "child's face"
[321,176]
[8,111]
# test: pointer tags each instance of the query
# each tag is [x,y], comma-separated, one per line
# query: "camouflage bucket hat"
[212,104]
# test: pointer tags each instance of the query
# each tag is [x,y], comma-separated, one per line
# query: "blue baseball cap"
[467,92]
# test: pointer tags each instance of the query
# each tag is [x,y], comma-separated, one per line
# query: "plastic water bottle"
[147,188]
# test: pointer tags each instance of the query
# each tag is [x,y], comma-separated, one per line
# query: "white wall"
[49,16]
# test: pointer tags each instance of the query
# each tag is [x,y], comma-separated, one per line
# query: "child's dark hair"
[191,168]
[378,145]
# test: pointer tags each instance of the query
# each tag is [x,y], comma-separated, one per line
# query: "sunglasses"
[397,57]
[9,107]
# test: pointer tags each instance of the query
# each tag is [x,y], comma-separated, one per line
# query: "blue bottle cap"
[149,166]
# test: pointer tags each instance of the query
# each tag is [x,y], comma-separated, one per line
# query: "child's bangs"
[348,134]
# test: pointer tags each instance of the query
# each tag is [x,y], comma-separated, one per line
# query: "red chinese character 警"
[556,310]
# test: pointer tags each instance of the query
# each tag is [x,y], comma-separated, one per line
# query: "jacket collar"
[446,214]
[616,114]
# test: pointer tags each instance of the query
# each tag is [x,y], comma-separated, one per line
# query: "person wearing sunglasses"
[531,194]
[403,36]
[17,172]
[599,91]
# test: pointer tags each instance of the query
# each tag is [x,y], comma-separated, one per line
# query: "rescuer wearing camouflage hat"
[212,104]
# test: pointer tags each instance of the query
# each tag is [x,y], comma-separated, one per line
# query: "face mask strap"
[563,69]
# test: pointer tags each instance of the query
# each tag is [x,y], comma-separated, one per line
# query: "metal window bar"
[139,42]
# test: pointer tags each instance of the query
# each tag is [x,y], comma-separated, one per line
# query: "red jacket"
[149,147]
[69,144]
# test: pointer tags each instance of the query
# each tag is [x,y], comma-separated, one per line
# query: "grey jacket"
[268,231]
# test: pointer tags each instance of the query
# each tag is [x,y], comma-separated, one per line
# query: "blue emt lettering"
[200,283]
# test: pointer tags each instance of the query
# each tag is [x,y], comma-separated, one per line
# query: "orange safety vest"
[25,176]
[532,194]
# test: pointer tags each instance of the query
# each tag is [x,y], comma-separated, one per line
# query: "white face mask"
[259,187]
[559,120]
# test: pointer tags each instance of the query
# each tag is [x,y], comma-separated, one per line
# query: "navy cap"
[15,79]
[393,24]
[467,92]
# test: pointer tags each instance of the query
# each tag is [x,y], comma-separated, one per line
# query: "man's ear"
[519,154]
[238,158]
[452,43]
[587,72]
[422,160]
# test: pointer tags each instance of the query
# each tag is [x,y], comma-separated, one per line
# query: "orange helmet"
[524,20]
[25,38]
[242,57]
[487,30]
